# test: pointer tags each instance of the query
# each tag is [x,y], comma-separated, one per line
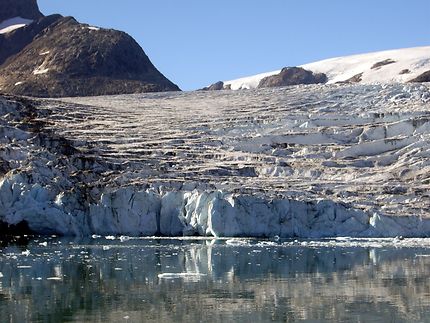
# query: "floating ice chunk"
[180,275]
[110,238]
[1,275]
[237,242]
[343,238]
[54,278]
[26,253]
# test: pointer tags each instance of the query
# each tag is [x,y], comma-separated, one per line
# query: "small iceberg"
[187,276]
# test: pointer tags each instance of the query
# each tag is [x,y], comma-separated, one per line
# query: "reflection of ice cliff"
[304,161]
[270,281]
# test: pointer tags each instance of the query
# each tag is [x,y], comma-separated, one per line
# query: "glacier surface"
[306,161]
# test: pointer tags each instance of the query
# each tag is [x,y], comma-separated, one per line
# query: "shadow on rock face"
[19,8]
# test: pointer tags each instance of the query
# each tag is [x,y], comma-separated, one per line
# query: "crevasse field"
[302,161]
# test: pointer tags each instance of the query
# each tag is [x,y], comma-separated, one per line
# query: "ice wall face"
[136,213]
[301,162]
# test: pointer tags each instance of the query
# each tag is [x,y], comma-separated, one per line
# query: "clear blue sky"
[197,42]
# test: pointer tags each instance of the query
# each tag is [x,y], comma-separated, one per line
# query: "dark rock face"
[214,87]
[355,79]
[293,76]
[56,56]
[19,8]
[13,42]
[425,77]
[382,63]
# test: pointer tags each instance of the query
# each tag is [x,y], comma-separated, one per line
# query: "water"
[150,280]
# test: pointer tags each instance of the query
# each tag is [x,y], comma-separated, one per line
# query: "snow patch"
[40,70]
[93,28]
[12,24]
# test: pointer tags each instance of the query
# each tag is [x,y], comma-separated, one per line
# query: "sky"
[198,42]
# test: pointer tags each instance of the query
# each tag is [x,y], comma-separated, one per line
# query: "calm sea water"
[144,280]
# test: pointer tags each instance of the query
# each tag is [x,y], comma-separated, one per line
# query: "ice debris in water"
[180,275]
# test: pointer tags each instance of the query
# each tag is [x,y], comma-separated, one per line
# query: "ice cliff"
[307,161]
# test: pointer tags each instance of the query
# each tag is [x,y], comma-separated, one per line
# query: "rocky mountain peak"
[57,56]
[19,8]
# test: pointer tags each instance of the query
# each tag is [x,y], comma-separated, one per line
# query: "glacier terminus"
[300,161]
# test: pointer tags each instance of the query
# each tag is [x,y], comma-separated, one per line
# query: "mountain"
[392,66]
[57,56]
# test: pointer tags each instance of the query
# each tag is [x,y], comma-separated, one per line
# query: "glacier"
[305,161]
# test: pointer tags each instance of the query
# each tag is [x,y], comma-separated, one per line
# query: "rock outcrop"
[425,77]
[354,79]
[57,56]
[387,61]
[12,43]
[19,8]
[292,76]
[218,86]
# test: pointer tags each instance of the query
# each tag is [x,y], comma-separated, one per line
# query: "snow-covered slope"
[401,65]
[13,24]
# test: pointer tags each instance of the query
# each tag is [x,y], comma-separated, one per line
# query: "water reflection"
[135,280]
